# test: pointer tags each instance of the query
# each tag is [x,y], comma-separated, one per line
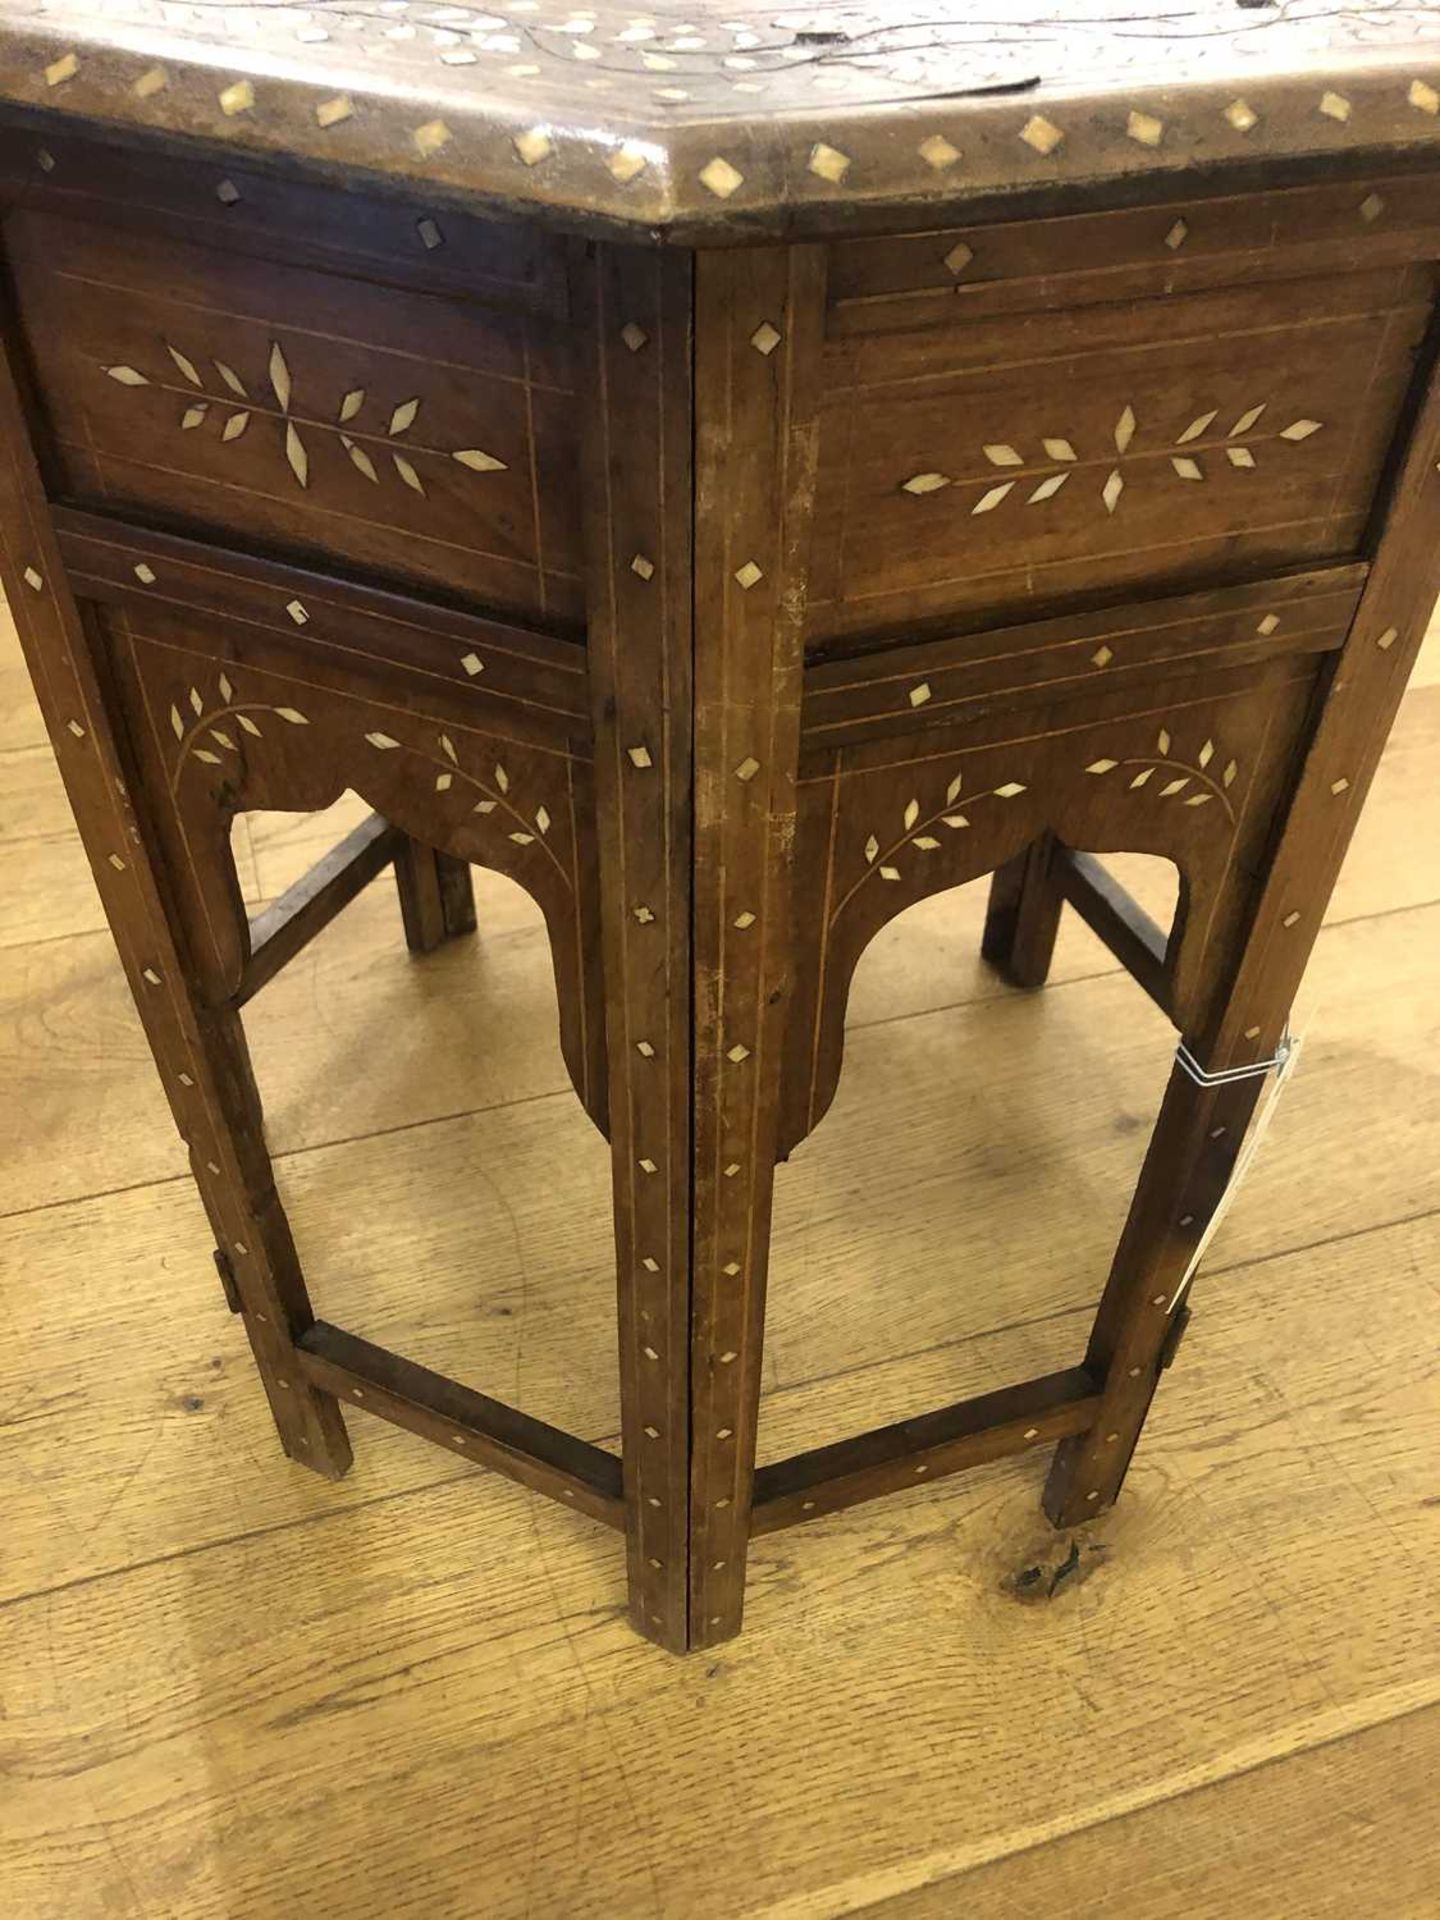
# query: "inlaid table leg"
[1022,919]
[199,1048]
[437,897]
[758,349]
[1200,1128]
[635,309]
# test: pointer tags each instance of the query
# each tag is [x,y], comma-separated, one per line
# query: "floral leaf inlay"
[361,458]
[299,423]
[280,376]
[444,759]
[1046,473]
[1192,780]
[297,456]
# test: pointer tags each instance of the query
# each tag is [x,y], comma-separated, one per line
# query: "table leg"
[1192,1153]
[437,898]
[759,314]
[1200,1128]
[1023,916]
[199,1047]
[635,307]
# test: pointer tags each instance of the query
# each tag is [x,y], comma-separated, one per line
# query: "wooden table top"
[726,118]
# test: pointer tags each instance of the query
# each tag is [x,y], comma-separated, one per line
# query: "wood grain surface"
[232,1689]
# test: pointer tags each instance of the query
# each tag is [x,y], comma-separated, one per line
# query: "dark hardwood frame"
[703,730]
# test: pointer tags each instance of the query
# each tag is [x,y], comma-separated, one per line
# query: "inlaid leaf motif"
[295,445]
[447,747]
[1197,427]
[290,714]
[407,473]
[227,692]
[248,725]
[210,759]
[177,723]
[197,702]
[383,741]
[912,814]
[1060,452]
[872,849]
[361,459]
[1193,781]
[297,456]
[502,779]
[952,792]
[443,782]
[542,819]
[219,734]
[280,376]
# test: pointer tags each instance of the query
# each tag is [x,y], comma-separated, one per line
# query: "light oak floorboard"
[431,1705]
[1345,1829]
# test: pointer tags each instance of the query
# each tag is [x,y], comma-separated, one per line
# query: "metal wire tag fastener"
[1227,1075]
[1283,1063]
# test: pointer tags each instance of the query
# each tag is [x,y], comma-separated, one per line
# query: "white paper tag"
[1248,1152]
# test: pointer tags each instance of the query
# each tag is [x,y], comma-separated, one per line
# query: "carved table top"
[729,115]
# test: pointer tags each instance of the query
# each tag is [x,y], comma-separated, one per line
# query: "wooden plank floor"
[227,1689]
